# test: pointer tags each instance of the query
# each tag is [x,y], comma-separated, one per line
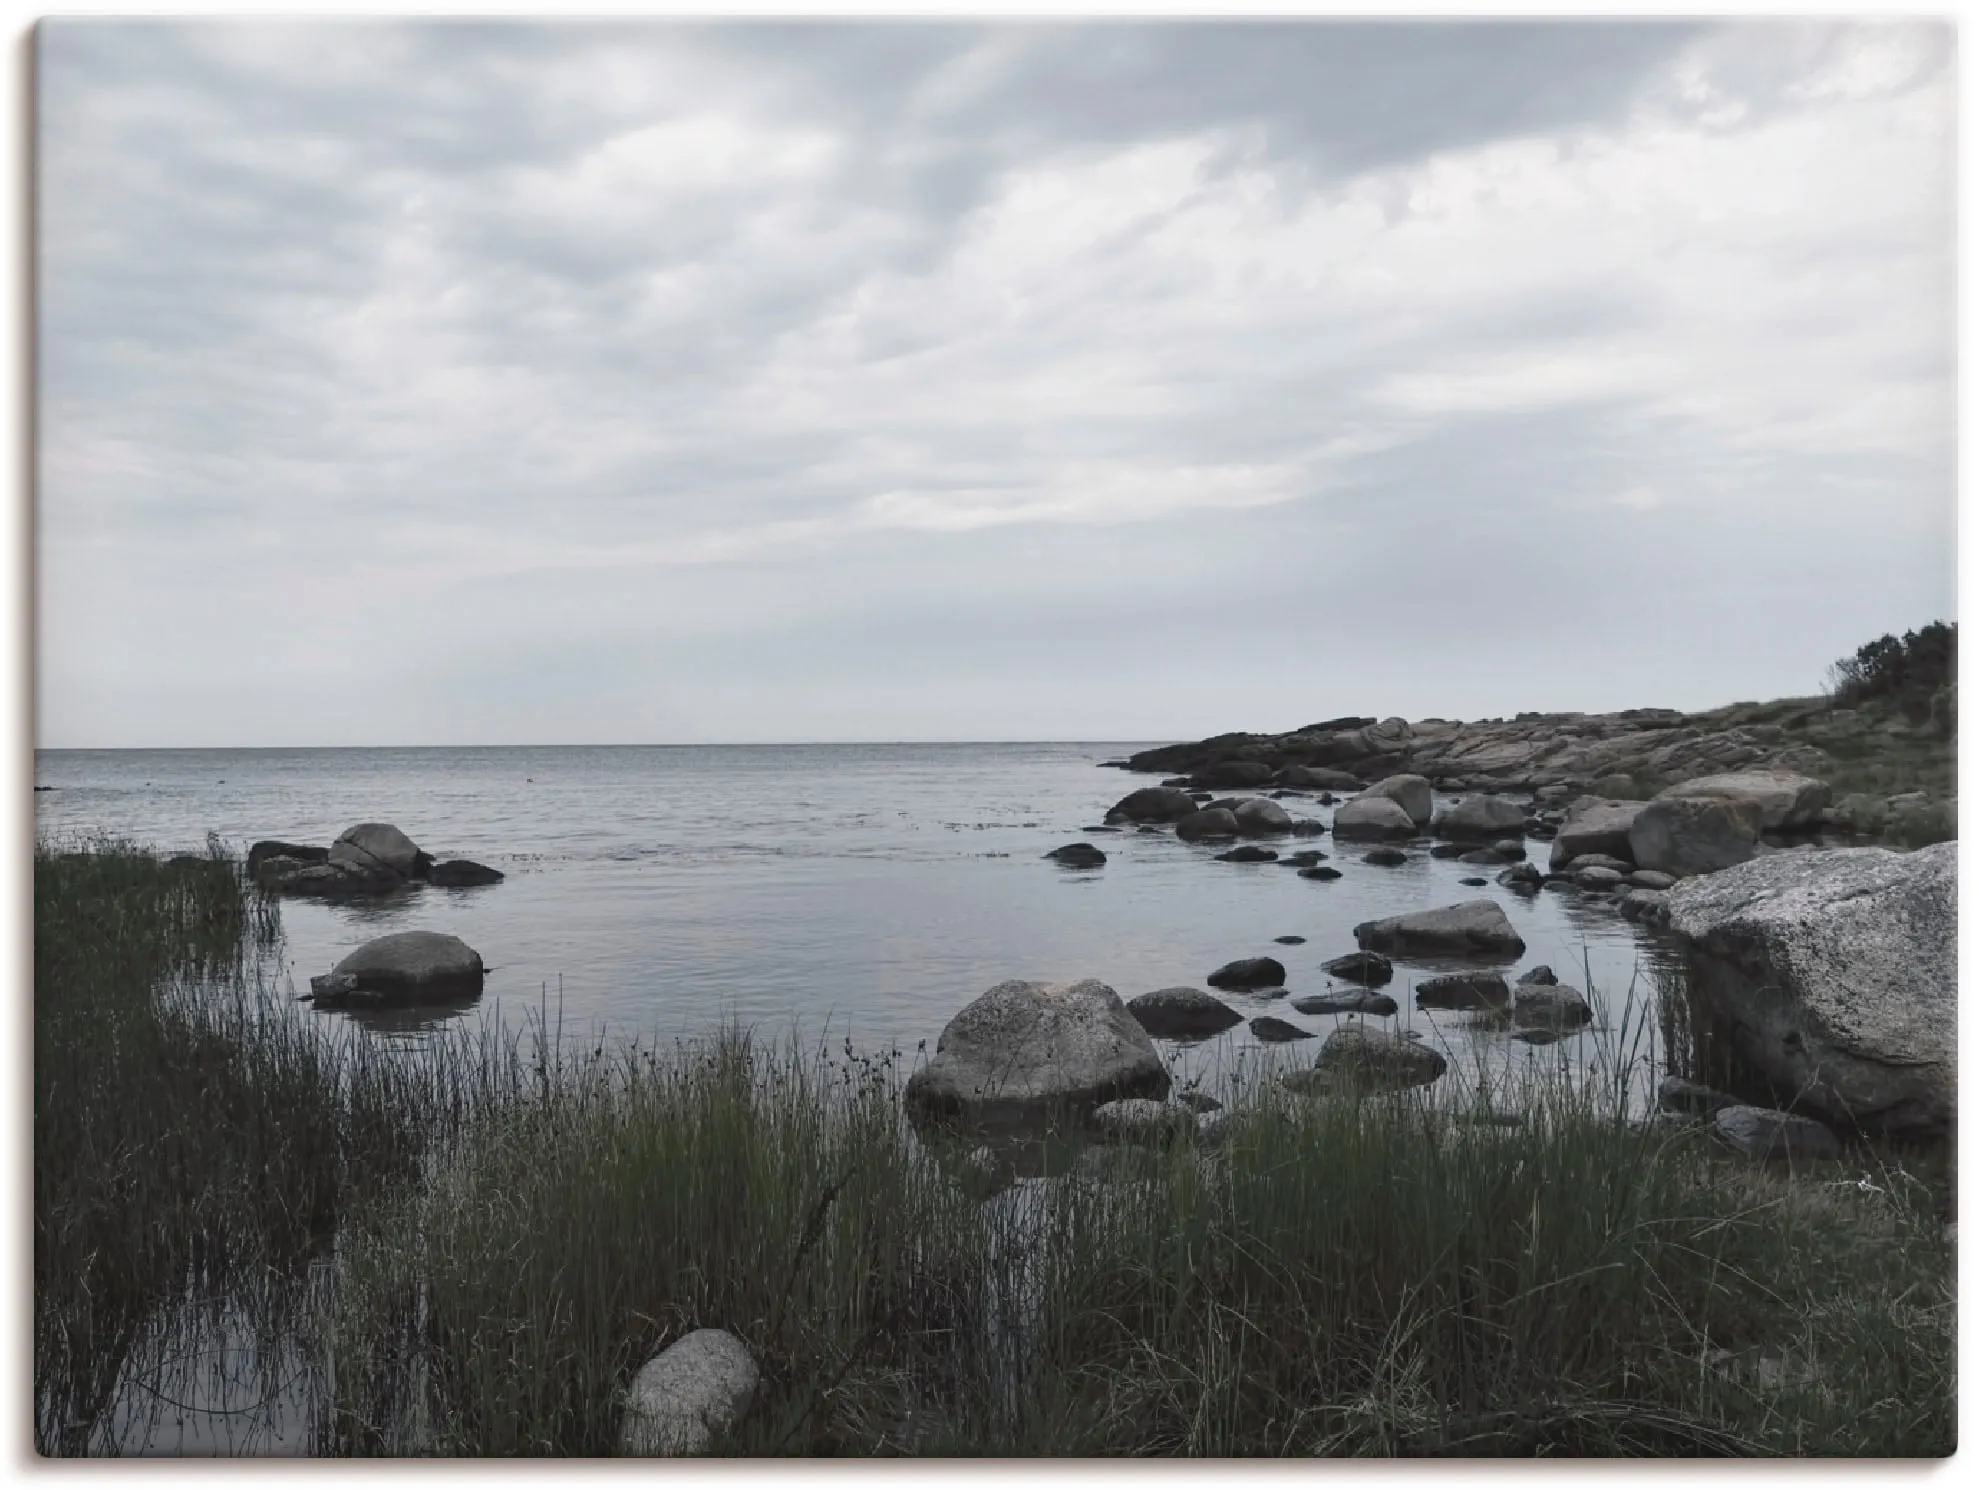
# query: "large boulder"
[1356,1056]
[1834,975]
[1152,804]
[379,846]
[1595,825]
[1483,818]
[694,1390]
[1372,817]
[1783,801]
[1474,928]
[1025,1051]
[1210,822]
[1262,815]
[1249,972]
[410,967]
[1411,792]
[1693,835]
[1182,1014]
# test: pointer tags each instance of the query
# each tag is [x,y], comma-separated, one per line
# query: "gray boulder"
[1549,1006]
[1345,1003]
[1369,969]
[1834,974]
[1474,928]
[1182,1014]
[410,967]
[1372,817]
[1262,815]
[1026,1050]
[1482,818]
[1652,879]
[1652,906]
[1597,877]
[1693,835]
[1355,1056]
[687,1395]
[1761,1133]
[1594,825]
[1249,972]
[1679,1094]
[1782,801]
[1152,804]
[1210,822]
[1275,1031]
[1411,793]
[374,846]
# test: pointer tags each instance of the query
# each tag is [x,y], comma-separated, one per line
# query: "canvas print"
[964,738]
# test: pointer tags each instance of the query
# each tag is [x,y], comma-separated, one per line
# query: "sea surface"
[825,892]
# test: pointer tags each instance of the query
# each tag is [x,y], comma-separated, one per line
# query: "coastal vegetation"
[511,1231]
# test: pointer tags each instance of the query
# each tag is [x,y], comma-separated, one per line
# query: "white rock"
[697,1387]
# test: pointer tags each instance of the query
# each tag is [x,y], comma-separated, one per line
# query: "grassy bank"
[516,1231]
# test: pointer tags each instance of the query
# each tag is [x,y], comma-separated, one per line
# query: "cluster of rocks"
[369,859]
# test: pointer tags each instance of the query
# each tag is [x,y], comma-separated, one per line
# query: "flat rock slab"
[409,967]
[1249,972]
[1369,969]
[1761,1133]
[1595,825]
[1182,1014]
[1463,991]
[1345,1003]
[1473,928]
[1024,1051]
[688,1394]
[1834,972]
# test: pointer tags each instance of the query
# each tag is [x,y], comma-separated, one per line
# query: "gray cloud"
[602,382]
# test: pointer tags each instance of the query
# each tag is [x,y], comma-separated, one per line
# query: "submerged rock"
[1834,974]
[1345,1003]
[1552,1006]
[1078,856]
[460,874]
[1384,858]
[1025,1050]
[1248,853]
[686,1396]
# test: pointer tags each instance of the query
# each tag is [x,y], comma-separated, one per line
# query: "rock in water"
[460,874]
[1152,804]
[409,967]
[1692,835]
[1782,801]
[1262,815]
[1278,1031]
[1834,973]
[1595,826]
[1249,972]
[1761,1133]
[372,846]
[1078,856]
[1372,817]
[271,848]
[1463,991]
[1210,822]
[1182,1014]
[1026,1050]
[695,1389]
[1474,928]
[1369,969]
[1248,853]
[1481,817]
[1411,793]
[1319,872]
[1384,858]
[1345,1003]
[1550,1006]
[1354,1055]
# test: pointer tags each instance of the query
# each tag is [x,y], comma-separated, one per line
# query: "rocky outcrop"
[1832,975]
[1182,1014]
[688,1395]
[403,969]
[1372,818]
[1481,818]
[1474,928]
[1026,1051]
[1781,801]
[1692,835]
[1595,825]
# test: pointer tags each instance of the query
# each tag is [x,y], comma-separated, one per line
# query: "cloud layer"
[483,383]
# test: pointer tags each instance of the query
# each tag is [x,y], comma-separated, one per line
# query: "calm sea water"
[867,891]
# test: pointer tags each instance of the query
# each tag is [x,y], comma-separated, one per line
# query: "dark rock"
[1523,877]
[1693,835]
[1463,991]
[270,848]
[1511,850]
[1447,850]
[1621,867]
[1384,857]
[1212,822]
[1305,858]
[1651,879]
[1077,856]
[1249,972]
[1481,856]
[1277,1031]
[1474,928]
[1474,881]
[370,847]
[1760,1133]
[1182,1014]
[1228,773]
[1319,778]
[412,967]
[1289,941]
[1248,854]
[1345,1003]
[1153,804]
[1550,1006]
[1780,801]
[1357,1057]
[1645,905]
[1678,1094]
[1597,878]
[1321,872]
[460,874]
[1410,792]
[1542,975]
[1369,969]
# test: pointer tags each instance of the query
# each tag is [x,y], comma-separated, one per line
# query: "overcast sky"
[409,384]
